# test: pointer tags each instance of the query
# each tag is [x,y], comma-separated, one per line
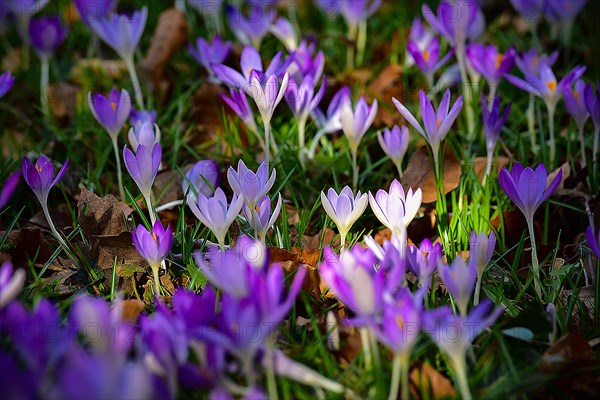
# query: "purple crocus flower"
[9,188]
[153,247]
[260,218]
[306,63]
[356,122]
[95,10]
[145,134]
[454,334]
[250,186]
[331,121]
[355,282]
[592,104]
[111,112]
[423,260]
[357,11]
[493,122]
[6,83]
[527,189]
[458,21]
[437,124]
[396,209]
[216,213]
[593,241]
[529,61]
[143,167]
[137,117]
[204,177]
[302,100]
[489,62]
[285,32]
[40,176]
[575,101]
[563,10]
[395,143]
[207,53]
[344,209]
[481,250]
[10,283]
[46,34]
[530,10]
[251,29]
[23,10]
[239,104]
[121,32]
[459,279]
[427,58]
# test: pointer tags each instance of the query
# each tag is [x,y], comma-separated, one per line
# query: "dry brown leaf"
[327,236]
[566,172]
[419,174]
[587,298]
[384,86]
[170,35]
[292,214]
[131,310]
[426,379]
[27,244]
[480,163]
[63,98]
[102,216]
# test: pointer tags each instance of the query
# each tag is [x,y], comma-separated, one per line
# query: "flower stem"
[44,83]
[267,149]
[170,205]
[271,383]
[535,265]
[582,143]
[136,83]
[354,151]
[460,372]
[315,142]
[361,42]
[493,88]
[488,166]
[119,171]
[301,133]
[477,288]
[400,369]
[551,141]
[151,211]
[531,123]
[55,232]
[364,339]
[350,49]
[156,279]
[460,57]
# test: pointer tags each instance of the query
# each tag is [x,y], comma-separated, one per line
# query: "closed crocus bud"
[208,53]
[260,218]
[344,209]
[46,34]
[395,143]
[285,32]
[154,246]
[40,176]
[481,250]
[204,177]
[216,213]
[356,122]
[459,279]
[144,133]
[143,166]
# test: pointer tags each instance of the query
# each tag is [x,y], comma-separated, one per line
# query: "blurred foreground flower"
[9,188]
[10,283]
[6,83]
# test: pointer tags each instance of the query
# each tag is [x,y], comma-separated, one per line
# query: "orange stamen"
[38,168]
[551,85]
[154,237]
[499,59]
[426,56]
[113,105]
[576,95]
[400,321]
[439,122]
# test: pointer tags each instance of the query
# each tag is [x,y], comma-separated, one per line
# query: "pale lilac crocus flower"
[344,209]
[396,208]
[394,143]
[427,58]
[459,279]
[331,121]
[437,124]
[144,133]
[491,64]
[250,29]
[420,35]
[208,53]
[260,218]
[302,100]
[481,250]
[143,168]
[153,246]
[10,283]
[355,123]
[250,185]
[285,32]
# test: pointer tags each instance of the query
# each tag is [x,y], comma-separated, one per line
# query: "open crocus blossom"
[207,53]
[437,124]
[216,213]
[396,209]
[250,185]
[9,187]
[490,63]
[204,177]
[251,29]
[6,83]
[285,32]
[344,209]
[593,241]
[576,106]
[527,189]
[481,250]
[260,218]
[355,282]
[40,178]
[454,335]
[95,10]
[355,123]
[306,63]
[144,133]
[394,143]
[143,167]
[421,36]
[10,283]
[154,246]
[427,57]
[423,260]
[458,21]
[459,279]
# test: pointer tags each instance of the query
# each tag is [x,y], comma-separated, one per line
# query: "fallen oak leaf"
[426,380]
[102,216]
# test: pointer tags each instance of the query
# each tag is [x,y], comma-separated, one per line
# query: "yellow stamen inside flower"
[576,95]
[38,168]
[113,105]
[426,56]
[400,321]
[154,237]
[551,85]
[499,59]
[439,122]
[257,208]
[425,254]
